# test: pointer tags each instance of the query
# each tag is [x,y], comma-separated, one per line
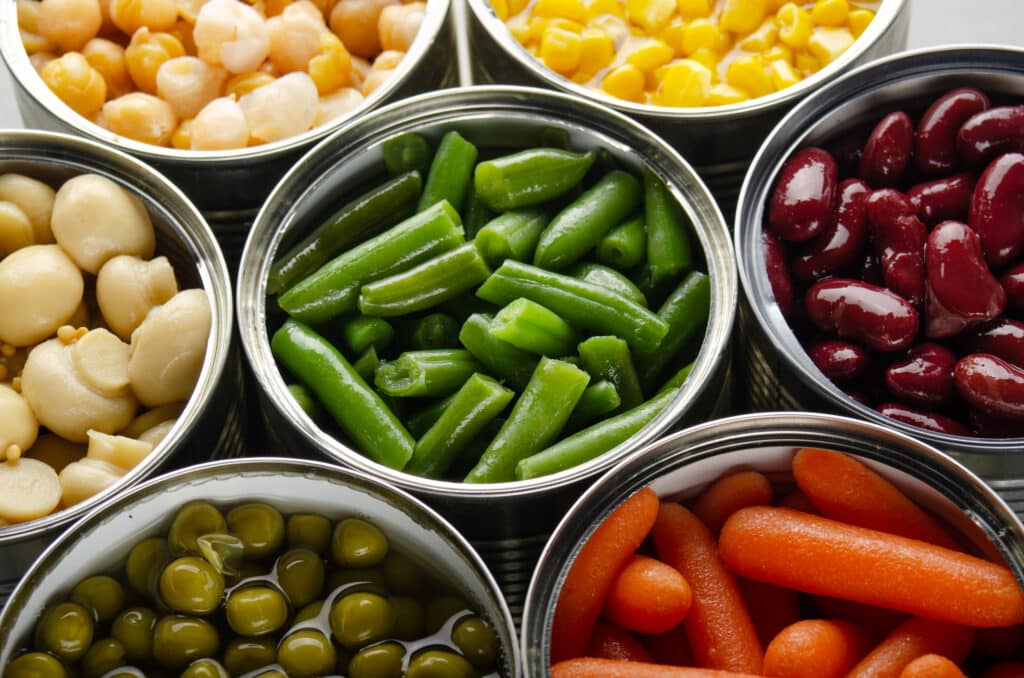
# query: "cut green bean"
[582,304]
[437,330]
[512,235]
[304,399]
[421,421]
[425,285]
[624,246]
[594,441]
[608,357]
[428,374]
[580,226]
[530,327]
[536,420]
[367,215]
[357,409]
[406,152]
[599,399]
[686,313]
[451,172]
[479,401]
[679,378]
[610,278]
[475,214]
[367,365]
[333,289]
[669,251]
[362,332]
[529,177]
[501,358]
[469,456]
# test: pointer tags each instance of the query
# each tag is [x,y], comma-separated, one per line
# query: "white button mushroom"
[127,288]
[29,489]
[18,426]
[120,451]
[40,288]
[87,477]
[35,199]
[55,451]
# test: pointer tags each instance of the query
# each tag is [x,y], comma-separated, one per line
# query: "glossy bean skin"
[899,238]
[961,289]
[991,132]
[1013,282]
[943,199]
[925,420]
[1003,338]
[779,277]
[935,139]
[991,385]
[842,244]
[887,151]
[865,313]
[839,360]
[925,377]
[997,209]
[804,196]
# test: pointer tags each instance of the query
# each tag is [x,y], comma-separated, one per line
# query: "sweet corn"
[614,27]
[596,8]
[146,53]
[806,64]
[561,50]
[778,51]
[858,21]
[182,137]
[706,57]
[500,8]
[694,9]
[597,54]
[723,95]
[686,83]
[830,12]
[672,35]
[78,84]
[794,25]
[742,16]
[783,74]
[331,69]
[749,74]
[243,83]
[565,25]
[766,35]
[537,27]
[828,43]
[701,33]
[521,33]
[517,6]
[651,15]
[650,54]
[561,9]
[624,82]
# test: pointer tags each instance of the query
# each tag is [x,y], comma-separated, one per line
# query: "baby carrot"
[772,608]
[729,494]
[721,633]
[671,647]
[589,667]
[912,639]
[842,488]
[818,555]
[594,569]
[877,620]
[609,641]
[1004,670]
[931,666]
[815,648]
[648,596]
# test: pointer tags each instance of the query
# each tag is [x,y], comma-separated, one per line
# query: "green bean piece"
[479,401]
[433,331]
[406,153]
[603,276]
[537,418]
[686,313]
[426,285]
[475,214]
[580,225]
[624,246]
[669,251]
[599,399]
[363,331]
[530,327]
[359,219]
[607,357]
[465,305]
[529,177]
[512,235]
[356,407]
[594,441]
[501,358]
[471,454]
[451,172]
[420,422]
[304,399]
[367,364]
[429,374]
[333,289]
[582,304]
[679,378]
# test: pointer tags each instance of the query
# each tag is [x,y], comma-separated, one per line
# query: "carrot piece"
[878,621]
[609,641]
[815,648]
[721,633]
[589,667]
[671,647]
[931,666]
[844,489]
[798,501]
[772,608]
[729,494]
[1005,670]
[912,639]
[818,555]
[594,570]
[648,596]
[1000,643]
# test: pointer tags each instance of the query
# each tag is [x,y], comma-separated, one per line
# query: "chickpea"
[151,418]
[355,22]
[331,68]
[127,288]
[242,84]
[28,28]
[282,109]
[69,23]
[295,36]
[76,83]
[40,288]
[141,117]
[107,57]
[389,58]
[123,452]
[18,426]
[221,125]
[375,78]
[146,53]
[232,34]
[182,137]
[131,15]
[360,69]
[399,24]
[188,83]
[56,452]
[40,59]
[336,105]
[85,478]
[29,489]
[34,198]
[15,228]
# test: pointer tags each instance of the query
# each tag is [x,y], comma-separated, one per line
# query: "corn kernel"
[624,82]
[598,52]
[828,43]
[830,12]
[694,9]
[766,35]
[561,9]
[522,34]
[778,51]
[613,27]
[708,58]
[331,69]
[78,84]
[650,54]
[561,50]
[686,83]
[182,137]
[566,25]
[517,6]
[783,74]
[596,8]
[806,64]
[858,21]
[742,16]
[723,94]
[537,27]
[672,35]
[652,15]
[701,33]
[500,8]
[243,83]
[794,25]
[749,74]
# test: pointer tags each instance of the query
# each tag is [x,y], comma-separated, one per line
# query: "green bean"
[594,441]
[607,357]
[624,246]
[426,285]
[669,251]
[679,378]
[437,330]
[305,399]
[357,409]
[431,374]
[367,364]
[537,418]
[334,288]
[580,226]
[475,214]
[512,235]
[609,278]
[406,152]
[686,313]
[599,399]
[367,215]
[465,305]
[582,304]
[420,422]
[363,332]
[451,172]
[479,401]
[532,328]
[501,358]
[529,177]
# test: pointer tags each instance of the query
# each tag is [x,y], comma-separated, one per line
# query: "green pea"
[248,571]
[477,641]
[205,668]
[192,521]
[133,628]
[191,585]
[103,656]
[311,611]
[300,572]
[224,551]
[145,562]
[259,526]
[439,664]
[357,543]
[379,661]
[362,575]
[441,609]
[309,530]
[404,576]
[103,596]
[178,640]
[36,665]
[65,631]
[306,653]
[362,618]
[244,655]
[256,610]
[410,617]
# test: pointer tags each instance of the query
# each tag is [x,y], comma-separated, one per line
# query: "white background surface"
[932,22]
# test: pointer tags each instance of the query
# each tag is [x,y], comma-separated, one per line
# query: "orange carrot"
[817,555]
[798,501]
[648,596]
[877,621]
[844,489]
[815,648]
[609,641]
[912,639]
[588,667]
[595,568]
[721,633]
[1000,643]
[932,666]
[1005,670]
[772,608]
[671,647]
[729,494]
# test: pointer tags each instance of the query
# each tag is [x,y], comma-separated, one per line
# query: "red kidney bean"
[1003,338]
[995,427]
[927,420]
[991,385]
[961,289]
[887,151]
[801,205]
[925,377]
[871,315]
[1013,282]
[839,360]
[871,269]
[985,135]
[899,238]
[942,199]
[935,149]
[997,209]
[842,243]
[778,273]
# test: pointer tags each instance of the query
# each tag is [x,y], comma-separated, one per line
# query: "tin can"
[679,467]
[493,514]
[102,540]
[210,423]
[778,370]
[720,140]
